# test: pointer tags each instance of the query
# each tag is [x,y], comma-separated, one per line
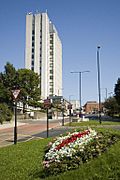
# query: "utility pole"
[99,89]
[80,87]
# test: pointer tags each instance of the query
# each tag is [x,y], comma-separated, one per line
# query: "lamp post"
[99,89]
[80,86]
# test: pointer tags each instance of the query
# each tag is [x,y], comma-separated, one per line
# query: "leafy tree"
[29,86]
[5,113]
[117,91]
[111,106]
[26,80]
[7,81]
[4,97]
[9,76]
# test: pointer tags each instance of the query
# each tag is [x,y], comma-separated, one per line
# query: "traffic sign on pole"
[47,103]
[15,93]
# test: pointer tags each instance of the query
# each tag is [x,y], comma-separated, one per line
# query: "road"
[28,129]
[34,129]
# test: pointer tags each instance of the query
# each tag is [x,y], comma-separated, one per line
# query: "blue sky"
[82,26]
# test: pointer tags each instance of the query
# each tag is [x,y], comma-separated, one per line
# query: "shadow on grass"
[38,174]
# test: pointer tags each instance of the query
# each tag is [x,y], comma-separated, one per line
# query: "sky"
[82,26]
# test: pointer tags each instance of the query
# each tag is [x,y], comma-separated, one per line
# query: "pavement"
[10,125]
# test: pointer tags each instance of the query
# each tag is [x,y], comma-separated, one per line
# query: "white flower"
[69,149]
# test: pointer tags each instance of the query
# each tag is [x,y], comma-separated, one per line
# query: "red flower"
[72,139]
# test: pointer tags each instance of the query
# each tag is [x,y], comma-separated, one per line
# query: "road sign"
[47,103]
[16,93]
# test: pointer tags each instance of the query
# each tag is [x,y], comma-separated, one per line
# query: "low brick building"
[91,107]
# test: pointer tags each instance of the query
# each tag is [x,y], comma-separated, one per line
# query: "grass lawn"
[24,162]
[93,123]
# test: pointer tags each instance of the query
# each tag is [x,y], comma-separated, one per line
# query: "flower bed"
[70,151]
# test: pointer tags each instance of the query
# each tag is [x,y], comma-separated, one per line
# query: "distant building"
[75,104]
[43,53]
[91,107]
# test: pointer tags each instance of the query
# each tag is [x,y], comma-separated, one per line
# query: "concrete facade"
[43,53]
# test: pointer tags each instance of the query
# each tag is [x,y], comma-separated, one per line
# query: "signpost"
[15,95]
[47,105]
[69,107]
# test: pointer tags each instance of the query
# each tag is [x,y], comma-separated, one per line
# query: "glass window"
[33,38]
[32,63]
[51,71]
[51,77]
[32,56]
[32,68]
[33,32]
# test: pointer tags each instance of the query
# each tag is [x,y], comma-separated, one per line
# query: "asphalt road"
[35,129]
[29,129]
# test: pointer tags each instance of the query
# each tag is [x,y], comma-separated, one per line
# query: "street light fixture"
[80,86]
[99,89]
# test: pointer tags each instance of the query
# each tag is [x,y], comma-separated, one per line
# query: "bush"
[5,113]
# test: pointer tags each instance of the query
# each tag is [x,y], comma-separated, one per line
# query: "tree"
[26,80]
[111,106]
[7,82]
[29,86]
[117,91]
[5,113]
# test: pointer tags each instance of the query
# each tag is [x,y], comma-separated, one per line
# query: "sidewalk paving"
[10,125]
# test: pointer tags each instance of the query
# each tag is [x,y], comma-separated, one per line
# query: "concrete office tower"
[43,53]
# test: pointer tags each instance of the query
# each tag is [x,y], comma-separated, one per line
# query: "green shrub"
[5,113]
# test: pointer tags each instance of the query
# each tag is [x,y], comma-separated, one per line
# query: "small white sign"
[16,93]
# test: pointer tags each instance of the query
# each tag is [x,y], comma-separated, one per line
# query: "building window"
[32,68]
[32,56]
[33,31]
[32,63]
[51,90]
[51,83]
[51,77]
[51,71]
[33,38]
[32,44]
[32,50]
[51,53]
[51,65]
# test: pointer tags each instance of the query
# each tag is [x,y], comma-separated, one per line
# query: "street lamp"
[99,90]
[80,86]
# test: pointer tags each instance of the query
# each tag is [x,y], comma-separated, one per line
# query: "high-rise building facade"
[43,53]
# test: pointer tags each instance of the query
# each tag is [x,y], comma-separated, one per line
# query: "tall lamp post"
[99,89]
[80,86]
